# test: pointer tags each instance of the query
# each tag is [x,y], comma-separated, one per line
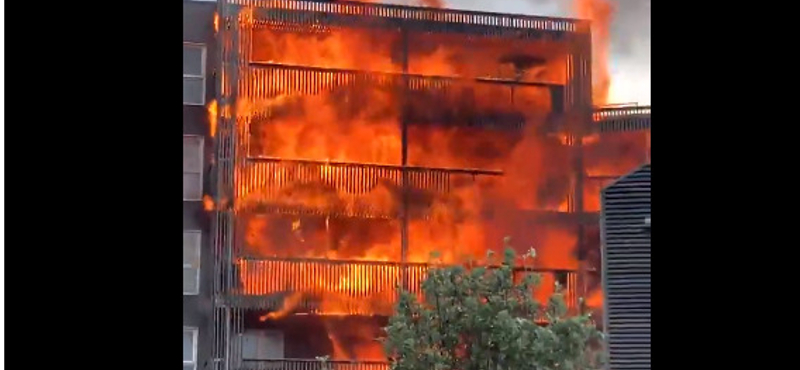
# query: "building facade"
[235,289]
[198,90]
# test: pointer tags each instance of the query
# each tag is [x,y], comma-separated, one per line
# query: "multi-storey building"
[347,140]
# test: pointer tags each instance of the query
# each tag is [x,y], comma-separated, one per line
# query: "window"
[191,262]
[189,348]
[194,80]
[262,345]
[192,168]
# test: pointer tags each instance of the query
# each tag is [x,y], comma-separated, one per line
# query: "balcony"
[309,364]
[341,189]
[622,119]
[342,287]
[287,13]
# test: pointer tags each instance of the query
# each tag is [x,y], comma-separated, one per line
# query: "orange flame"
[289,304]
[216,22]
[354,339]
[208,203]
[595,299]
[614,156]
[601,13]
[212,118]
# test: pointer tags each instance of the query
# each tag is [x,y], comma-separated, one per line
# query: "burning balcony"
[282,286]
[343,189]
[313,364]
[336,319]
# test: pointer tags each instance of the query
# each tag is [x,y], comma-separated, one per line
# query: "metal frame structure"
[237,174]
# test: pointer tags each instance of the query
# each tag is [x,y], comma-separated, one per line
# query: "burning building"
[351,140]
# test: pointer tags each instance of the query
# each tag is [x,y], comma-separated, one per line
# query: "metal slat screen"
[622,119]
[626,270]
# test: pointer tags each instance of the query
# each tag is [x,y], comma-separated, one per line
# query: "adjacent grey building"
[627,270]
[198,90]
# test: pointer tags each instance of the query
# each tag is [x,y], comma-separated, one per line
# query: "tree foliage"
[479,318]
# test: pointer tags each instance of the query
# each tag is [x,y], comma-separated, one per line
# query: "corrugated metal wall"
[626,270]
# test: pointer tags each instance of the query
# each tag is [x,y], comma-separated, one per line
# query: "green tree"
[479,318]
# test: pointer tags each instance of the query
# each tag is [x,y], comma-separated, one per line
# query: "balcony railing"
[620,119]
[356,14]
[337,188]
[429,98]
[309,364]
[322,286]
[618,112]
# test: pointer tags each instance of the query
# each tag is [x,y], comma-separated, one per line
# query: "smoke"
[600,13]
[631,28]
[433,3]
[630,52]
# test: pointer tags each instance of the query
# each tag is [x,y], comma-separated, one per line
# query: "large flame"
[595,299]
[208,203]
[212,118]
[600,13]
[216,22]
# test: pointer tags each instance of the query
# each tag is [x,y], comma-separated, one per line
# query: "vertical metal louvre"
[627,271]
